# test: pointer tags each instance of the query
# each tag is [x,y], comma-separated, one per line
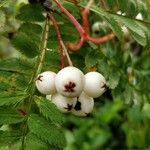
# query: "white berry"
[64,104]
[95,84]
[96,27]
[69,81]
[45,83]
[84,105]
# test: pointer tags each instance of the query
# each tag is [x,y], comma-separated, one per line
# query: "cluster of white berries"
[70,90]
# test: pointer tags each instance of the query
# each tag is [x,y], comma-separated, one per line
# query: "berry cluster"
[70,90]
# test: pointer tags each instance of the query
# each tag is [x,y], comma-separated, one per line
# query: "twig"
[66,52]
[101,39]
[83,31]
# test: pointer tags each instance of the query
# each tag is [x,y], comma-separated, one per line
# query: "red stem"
[71,17]
[76,46]
[84,14]
[84,32]
[101,39]
[85,21]
[58,39]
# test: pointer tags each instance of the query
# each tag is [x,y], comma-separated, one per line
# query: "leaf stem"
[38,68]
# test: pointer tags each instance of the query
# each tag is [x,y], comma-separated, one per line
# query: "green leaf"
[29,28]
[103,68]
[4,2]
[31,13]
[9,116]
[33,142]
[46,131]
[134,115]
[72,8]
[52,61]
[114,109]
[92,58]
[137,27]
[9,137]
[13,81]
[114,77]
[48,109]
[14,98]
[25,45]
[17,65]
[115,27]
[132,24]
[67,30]
[2,19]
[140,39]
[146,110]
[123,5]
[32,30]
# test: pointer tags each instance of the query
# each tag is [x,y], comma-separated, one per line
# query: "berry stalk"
[59,39]
[61,43]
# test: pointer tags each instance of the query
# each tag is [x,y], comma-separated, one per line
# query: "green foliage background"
[121,117]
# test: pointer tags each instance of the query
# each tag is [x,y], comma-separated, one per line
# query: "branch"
[83,31]
[86,37]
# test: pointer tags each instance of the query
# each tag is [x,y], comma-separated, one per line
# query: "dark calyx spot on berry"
[104,86]
[69,107]
[78,106]
[39,78]
[70,87]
